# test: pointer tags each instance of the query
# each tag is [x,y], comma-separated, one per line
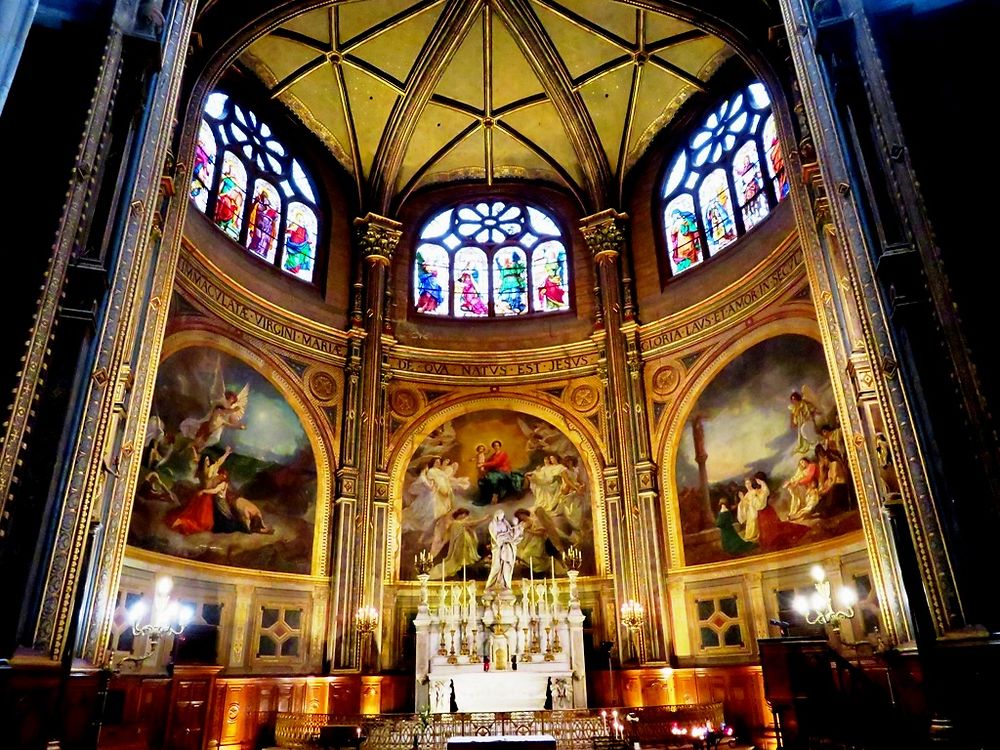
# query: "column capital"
[377,237]
[604,233]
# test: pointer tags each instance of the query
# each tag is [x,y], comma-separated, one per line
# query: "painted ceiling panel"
[540,123]
[463,78]
[607,100]
[436,127]
[371,103]
[356,18]
[512,158]
[318,94]
[580,50]
[513,76]
[659,96]
[279,57]
[695,55]
[616,18]
[396,49]
[466,160]
[660,27]
[315,24]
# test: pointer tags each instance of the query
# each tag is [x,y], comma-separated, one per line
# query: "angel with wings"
[227,412]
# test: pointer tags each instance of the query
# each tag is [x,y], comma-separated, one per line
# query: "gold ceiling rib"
[448,33]
[541,52]
[552,98]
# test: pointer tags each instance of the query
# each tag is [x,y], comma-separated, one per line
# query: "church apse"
[760,461]
[467,468]
[229,474]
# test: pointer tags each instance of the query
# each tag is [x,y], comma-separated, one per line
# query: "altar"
[501,651]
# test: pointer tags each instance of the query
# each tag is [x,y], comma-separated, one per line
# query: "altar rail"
[573,730]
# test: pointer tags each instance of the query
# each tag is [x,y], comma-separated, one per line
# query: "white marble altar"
[541,626]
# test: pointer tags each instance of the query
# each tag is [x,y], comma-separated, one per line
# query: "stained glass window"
[501,257]
[714,189]
[261,196]
[204,166]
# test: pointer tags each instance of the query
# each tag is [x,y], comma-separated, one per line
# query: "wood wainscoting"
[739,688]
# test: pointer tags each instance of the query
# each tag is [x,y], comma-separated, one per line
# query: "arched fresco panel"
[228,475]
[761,465]
[479,462]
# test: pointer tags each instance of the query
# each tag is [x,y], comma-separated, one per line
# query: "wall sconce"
[633,618]
[818,609]
[365,622]
[167,618]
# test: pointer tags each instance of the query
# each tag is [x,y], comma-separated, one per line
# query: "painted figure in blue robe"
[430,288]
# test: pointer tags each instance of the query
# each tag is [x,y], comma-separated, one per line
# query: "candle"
[531,569]
[463,576]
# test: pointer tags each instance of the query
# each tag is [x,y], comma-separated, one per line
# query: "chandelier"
[817,608]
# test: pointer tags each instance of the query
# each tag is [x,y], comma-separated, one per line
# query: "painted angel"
[227,412]
[545,438]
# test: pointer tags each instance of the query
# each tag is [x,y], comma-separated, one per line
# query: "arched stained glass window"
[714,189]
[491,258]
[260,195]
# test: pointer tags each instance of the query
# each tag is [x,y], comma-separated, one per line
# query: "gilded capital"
[604,234]
[377,237]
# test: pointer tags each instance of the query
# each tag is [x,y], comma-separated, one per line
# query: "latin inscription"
[732,308]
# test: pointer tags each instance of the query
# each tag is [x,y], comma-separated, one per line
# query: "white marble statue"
[505,535]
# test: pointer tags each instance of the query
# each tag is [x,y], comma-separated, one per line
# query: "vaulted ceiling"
[407,94]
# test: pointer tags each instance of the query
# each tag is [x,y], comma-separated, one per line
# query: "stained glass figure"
[722,161]
[204,166]
[488,244]
[431,279]
[232,196]
[300,241]
[510,282]
[470,279]
[549,277]
[262,239]
[775,164]
[750,185]
[717,210]
[683,238]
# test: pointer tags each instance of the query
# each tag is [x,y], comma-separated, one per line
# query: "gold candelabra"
[422,562]
[572,558]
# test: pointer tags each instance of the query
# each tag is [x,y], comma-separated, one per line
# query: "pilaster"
[361,517]
[633,515]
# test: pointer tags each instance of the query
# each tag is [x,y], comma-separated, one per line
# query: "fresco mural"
[761,464]
[228,473]
[477,463]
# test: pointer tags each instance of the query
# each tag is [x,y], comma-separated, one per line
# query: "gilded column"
[912,566]
[99,480]
[633,515]
[361,514]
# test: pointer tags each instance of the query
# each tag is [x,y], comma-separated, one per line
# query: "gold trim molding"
[737,302]
[209,287]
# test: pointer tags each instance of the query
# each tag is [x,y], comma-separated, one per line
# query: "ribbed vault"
[408,94]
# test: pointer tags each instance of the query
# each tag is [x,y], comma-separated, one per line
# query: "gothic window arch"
[493,257]
[726,179]
[254,189]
